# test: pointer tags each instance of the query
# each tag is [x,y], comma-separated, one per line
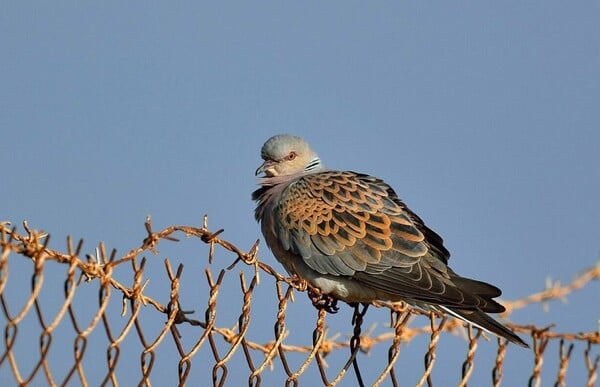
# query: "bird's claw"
[323,301]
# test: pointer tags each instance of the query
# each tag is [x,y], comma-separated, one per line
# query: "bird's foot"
[323,301]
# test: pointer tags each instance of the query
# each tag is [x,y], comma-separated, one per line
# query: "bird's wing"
[354,225]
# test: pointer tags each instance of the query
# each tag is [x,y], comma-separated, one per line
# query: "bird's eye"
[291,156]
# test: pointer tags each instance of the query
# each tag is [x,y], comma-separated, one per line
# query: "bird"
[350,236]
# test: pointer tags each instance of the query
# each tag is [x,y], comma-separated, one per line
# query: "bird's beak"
[264,168]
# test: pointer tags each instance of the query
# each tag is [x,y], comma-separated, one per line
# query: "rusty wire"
[103,267]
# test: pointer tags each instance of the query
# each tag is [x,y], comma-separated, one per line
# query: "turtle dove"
[350,236]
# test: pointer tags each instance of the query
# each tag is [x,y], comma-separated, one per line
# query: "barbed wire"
[103,267]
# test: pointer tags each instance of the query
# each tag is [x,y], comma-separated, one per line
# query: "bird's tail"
[482,320]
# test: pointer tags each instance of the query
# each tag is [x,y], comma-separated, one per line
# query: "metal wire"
[228,350]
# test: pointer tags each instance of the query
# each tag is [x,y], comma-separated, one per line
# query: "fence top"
[151,328]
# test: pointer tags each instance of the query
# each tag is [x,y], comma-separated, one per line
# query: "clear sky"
[485,118]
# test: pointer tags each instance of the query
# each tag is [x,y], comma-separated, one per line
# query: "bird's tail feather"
[483,321]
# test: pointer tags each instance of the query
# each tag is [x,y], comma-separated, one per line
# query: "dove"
[351,237]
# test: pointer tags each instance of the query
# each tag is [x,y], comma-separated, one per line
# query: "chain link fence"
[95,319]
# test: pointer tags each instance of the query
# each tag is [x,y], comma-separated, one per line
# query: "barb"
[554,291]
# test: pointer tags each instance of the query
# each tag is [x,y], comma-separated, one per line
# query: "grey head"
[287,155]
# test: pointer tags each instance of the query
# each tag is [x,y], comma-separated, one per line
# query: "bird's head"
[287,155]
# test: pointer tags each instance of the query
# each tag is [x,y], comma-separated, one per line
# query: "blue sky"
[484,118]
